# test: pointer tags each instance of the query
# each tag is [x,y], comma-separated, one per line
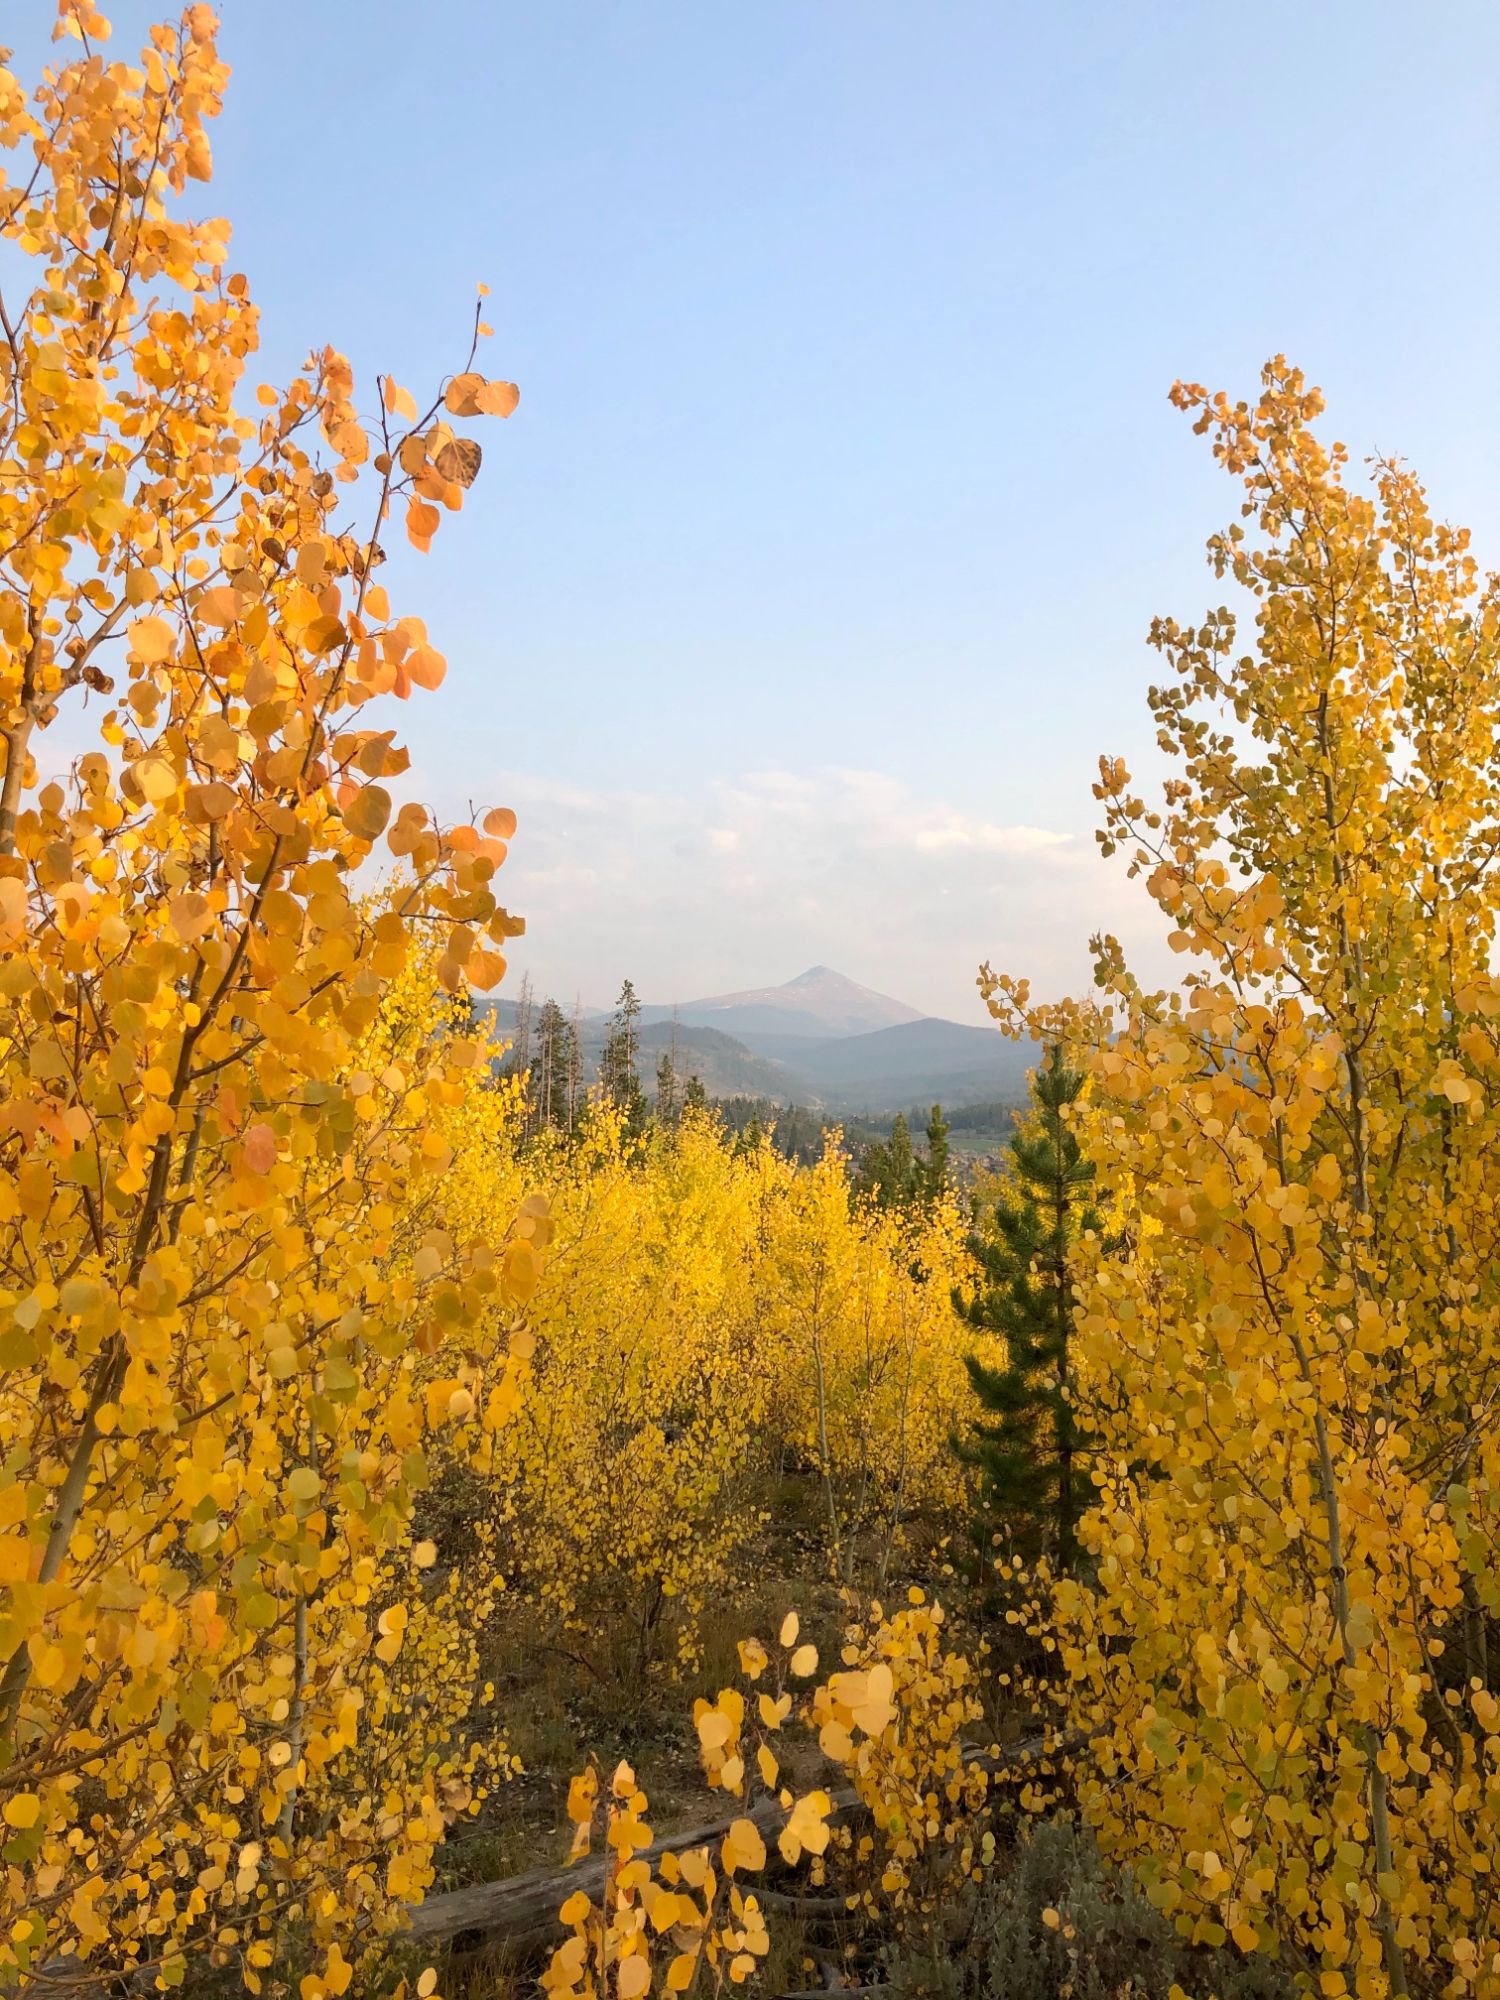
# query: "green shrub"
[1107,1943]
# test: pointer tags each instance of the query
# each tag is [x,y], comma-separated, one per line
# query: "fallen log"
[814,1908]
[522,1909]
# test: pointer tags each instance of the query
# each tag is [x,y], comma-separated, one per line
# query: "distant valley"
[820,1040]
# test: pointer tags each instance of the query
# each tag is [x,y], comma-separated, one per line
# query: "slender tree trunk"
[1376,1784]
[1064,1427]
[286,1824]
[17,742]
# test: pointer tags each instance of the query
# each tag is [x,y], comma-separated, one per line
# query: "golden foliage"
[667,1925]
[710,1324]
[1284,1654]
[226,1257]
[890,1721]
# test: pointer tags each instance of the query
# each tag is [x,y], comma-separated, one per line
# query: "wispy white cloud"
[750,878]
[986,839]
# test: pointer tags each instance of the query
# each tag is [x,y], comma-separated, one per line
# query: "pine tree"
[1027,1443]
[573,1082]
[935,1167]
[890,1172]
[894,1174]
[667,1108]
[551,1067]
[751,1139]
[618,1073]
[695,1097]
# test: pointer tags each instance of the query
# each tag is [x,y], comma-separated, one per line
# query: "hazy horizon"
[597,1005]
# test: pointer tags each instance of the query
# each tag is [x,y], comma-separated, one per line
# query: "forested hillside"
[473,1518]
[819,1041]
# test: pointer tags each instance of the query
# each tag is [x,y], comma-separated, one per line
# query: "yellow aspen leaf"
[12,909]
[459,460]
[324,634]
[156,779]
[633,1977]
[426,667]
[218,606]
[151,639]
[835,1741]
[484,969]
[350,441]
[873,1704]
[461,396]
[774,1709]
[713,1729]
[260,1148]
[806,1830]
[743,1846]
[753,1658]
[497,399]
[190,914]
[368,812]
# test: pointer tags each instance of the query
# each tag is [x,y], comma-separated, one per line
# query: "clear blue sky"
[796,602]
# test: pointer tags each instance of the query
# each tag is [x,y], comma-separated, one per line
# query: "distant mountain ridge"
[925,1060]
[821,1040]
[819,1001]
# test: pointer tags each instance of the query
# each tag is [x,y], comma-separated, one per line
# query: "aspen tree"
[212,1332]
[1285,1648]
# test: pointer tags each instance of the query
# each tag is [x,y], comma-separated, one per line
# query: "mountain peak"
[819,1001]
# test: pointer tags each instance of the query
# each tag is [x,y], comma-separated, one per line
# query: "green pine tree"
[668,1109]
[618,1074]
[895,1175]
[695,1097]
[1026,1443]
[890,1172]
[551,1068]
[935,1166]
[751,1137]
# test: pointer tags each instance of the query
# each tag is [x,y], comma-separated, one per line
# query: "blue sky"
[795,604]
